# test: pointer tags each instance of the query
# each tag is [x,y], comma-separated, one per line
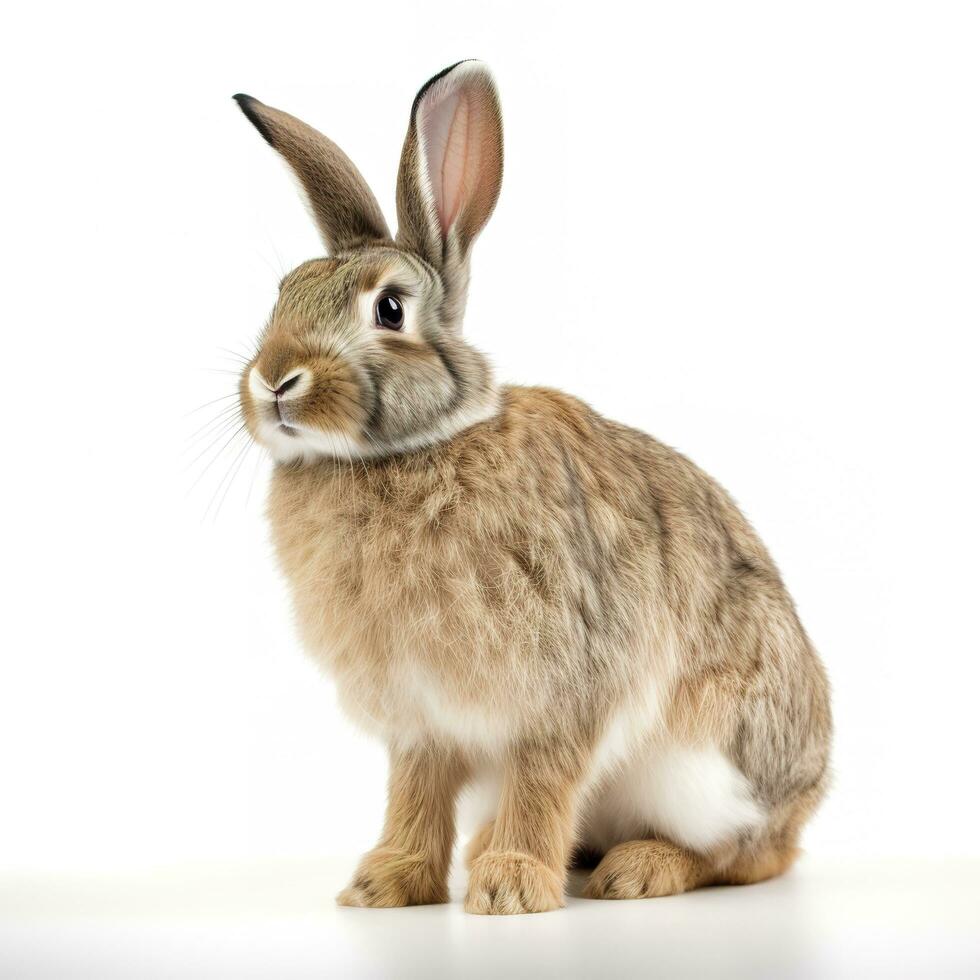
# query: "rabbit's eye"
[389,313]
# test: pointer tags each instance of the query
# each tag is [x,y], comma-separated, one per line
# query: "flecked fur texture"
[500,579]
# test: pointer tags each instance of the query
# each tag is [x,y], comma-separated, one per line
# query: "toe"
[506,883]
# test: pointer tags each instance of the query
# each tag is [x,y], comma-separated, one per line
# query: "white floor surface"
[277,920]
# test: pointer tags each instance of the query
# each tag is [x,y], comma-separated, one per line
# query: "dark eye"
[389,313]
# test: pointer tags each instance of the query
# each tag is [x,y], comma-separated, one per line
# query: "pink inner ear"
[452,144]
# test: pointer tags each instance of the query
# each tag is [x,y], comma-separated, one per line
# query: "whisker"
[282,269]
[223,415]
[350,464]
[224,446]
[237,355]
[228,479]
[377,445]
[215,434]
[220,398]
[255,472]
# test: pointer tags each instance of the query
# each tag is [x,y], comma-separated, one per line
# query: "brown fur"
[491,574]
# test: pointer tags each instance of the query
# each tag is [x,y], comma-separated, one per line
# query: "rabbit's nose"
[292,385]
[288,384]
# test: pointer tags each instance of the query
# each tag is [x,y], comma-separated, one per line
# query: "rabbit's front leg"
[410,865]
[523,867]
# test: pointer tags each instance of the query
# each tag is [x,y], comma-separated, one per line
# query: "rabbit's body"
[549,574]
[505,585]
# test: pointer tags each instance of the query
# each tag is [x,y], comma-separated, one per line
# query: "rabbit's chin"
[297,444]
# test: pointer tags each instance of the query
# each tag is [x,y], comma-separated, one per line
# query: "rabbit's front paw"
[389,878]
[509,883]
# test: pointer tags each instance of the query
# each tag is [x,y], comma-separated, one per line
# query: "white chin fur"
[308,444]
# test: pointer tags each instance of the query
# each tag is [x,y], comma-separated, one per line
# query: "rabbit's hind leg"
[654,867]
[647,869]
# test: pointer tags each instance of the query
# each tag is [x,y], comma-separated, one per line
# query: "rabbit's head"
[363,354]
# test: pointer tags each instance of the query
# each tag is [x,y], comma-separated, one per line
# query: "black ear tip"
[248,105]
[435,78]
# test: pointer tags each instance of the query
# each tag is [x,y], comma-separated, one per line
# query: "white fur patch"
[303,443]
[471,726]
[692,795]
[627,729]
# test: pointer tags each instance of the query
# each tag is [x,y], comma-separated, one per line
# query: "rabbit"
[507,587]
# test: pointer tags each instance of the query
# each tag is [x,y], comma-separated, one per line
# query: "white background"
[750,229]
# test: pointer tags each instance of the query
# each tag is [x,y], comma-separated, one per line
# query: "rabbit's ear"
[343,206]
[451,165]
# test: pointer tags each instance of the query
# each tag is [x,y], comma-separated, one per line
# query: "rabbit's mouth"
[311,409]
[284,422]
